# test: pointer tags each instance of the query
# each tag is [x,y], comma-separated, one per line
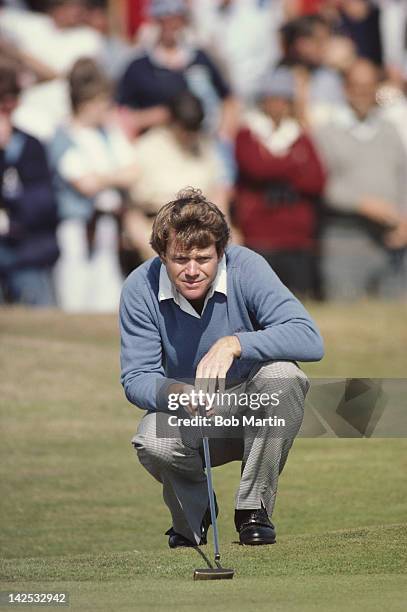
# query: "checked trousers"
[177,461]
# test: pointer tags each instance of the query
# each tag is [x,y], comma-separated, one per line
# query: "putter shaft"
[211,496]
[218,572]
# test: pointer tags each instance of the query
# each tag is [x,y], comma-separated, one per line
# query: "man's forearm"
[292,341]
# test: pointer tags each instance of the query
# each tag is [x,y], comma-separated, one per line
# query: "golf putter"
[218,572]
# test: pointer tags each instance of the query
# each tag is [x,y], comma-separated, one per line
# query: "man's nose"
[192,268]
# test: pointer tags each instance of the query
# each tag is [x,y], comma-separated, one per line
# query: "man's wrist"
[235,346]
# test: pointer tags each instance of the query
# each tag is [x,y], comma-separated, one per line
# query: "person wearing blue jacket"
[28,212]
[209,324]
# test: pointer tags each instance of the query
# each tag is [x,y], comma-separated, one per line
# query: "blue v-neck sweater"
[161,344]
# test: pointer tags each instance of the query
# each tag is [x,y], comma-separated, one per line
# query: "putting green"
[79,514]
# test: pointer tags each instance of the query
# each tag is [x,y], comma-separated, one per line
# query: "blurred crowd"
[290,115]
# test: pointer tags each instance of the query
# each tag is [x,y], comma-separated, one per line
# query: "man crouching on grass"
[217,317]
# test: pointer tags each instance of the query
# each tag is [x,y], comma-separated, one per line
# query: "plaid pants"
[177,461]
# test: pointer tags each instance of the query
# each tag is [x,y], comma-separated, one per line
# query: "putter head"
[213,573]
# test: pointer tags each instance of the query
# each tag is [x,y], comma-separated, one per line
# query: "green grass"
[78,513]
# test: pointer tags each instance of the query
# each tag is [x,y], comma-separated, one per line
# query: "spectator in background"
[28,213]
[360,20]
[393,27]
[169,66]
[243,37]
[376,27]
[365,234]
[28,67]
[55,39]
[93,163]
[393,107]
[318,87]
[170,156]
[280,181]
[340,53]
[115,53]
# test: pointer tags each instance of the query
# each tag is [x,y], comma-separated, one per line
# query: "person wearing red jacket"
[280,181]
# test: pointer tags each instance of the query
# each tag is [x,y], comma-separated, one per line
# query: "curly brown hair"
[196,223]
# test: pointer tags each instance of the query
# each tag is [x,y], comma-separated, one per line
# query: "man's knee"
[153,450]
[157,454]
[282,374]
[286,385]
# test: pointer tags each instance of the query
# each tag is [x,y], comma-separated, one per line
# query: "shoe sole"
[258,542]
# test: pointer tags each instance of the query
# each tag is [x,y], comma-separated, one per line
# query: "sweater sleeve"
[142,371]
[287,330]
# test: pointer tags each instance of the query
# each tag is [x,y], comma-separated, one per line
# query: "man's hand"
[214,366]
[193,406]
[397,238]
[380,211]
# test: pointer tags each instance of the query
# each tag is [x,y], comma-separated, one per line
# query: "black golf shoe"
[176,540]
[254,527]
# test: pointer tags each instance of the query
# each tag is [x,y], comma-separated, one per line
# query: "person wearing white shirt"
[93,165]
[56,39]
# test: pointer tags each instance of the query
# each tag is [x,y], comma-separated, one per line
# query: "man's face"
[171,28]
[277,108]
[98,19]
[361,88]
[69,14]
[311,49]
[97,110]
[192,272]
[8,105]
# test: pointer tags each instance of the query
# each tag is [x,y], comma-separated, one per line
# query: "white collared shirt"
[167,291]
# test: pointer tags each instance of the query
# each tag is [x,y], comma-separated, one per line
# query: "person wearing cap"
[280,180]
[168,65]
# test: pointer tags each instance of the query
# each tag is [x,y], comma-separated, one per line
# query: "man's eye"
[181,259]
[203,259]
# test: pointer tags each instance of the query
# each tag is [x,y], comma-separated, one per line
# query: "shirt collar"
[167,291]
[362,129]
[187,51]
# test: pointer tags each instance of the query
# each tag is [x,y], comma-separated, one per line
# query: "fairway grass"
[79,514]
